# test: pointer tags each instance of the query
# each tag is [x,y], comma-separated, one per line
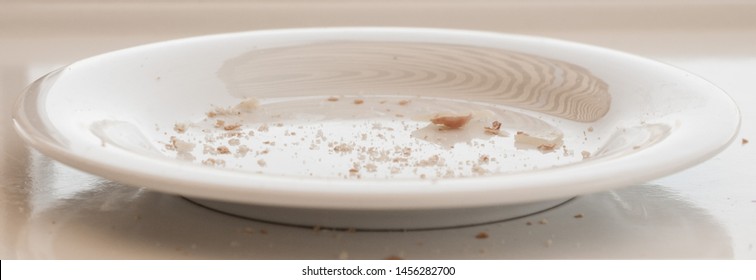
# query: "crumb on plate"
[179,127]
[229,127]
[585,154]
[452,122]
[494,129]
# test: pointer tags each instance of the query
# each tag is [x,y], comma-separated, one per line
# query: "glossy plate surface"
[342,118]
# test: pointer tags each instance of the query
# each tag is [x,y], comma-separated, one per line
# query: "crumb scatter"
[379,141]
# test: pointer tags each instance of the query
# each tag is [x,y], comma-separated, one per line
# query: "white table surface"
[50,211]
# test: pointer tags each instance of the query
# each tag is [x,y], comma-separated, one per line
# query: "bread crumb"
[494,129]
[371,167]
[223,150]
[590,129]
[543,221]
[481,235]
[359,101]
[578,216]
[220,123]
[545,148]
[484,159]
[214,162]
[452,122]
[263,128]
[247,105]
[234,142]
[261,163]
[333,99]
[744,141]
[179,146]
[232,126]
[586,154]
[343,148]
[179,127]
[404,102]
[430,161]
[528,223]
[242,151]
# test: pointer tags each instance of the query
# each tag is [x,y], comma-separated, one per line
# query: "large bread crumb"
[452,122]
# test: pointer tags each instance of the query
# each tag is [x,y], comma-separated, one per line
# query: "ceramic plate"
[375,118]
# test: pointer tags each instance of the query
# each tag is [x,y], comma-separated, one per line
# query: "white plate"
[374,147]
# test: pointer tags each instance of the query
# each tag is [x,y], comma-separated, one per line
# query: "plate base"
[380,220]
